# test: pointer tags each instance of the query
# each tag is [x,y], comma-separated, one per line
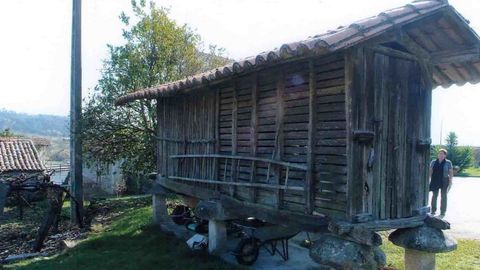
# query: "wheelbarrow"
[258,234]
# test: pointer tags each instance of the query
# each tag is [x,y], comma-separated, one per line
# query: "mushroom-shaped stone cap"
[423,238]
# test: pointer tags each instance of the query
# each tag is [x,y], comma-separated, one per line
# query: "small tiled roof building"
[19,155]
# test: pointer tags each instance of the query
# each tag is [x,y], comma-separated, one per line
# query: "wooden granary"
[335,128]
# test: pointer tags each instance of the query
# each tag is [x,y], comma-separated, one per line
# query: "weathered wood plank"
[279,126]
[354,76]
[234,130]
[310,177]
[254,134]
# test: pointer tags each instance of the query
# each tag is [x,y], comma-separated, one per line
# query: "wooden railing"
[233,162]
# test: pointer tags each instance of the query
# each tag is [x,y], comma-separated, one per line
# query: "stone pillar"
[217,235]
[4,189]
[159,206]
[422,243]
[419,260]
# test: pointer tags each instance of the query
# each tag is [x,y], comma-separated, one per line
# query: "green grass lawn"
[131,243]
[466,257]
[470,172]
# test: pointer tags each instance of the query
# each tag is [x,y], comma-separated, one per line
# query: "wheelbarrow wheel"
[247,250]
[181,214]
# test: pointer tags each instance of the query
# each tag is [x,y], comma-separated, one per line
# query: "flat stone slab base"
[334,252]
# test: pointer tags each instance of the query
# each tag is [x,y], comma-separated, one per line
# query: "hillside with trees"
[28,124]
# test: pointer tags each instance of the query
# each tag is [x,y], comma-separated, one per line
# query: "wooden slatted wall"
[330,146]
[186,125]
[266,114]
[293,113]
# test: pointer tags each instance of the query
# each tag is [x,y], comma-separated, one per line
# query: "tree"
[461,156]
[6,133]
[156,51]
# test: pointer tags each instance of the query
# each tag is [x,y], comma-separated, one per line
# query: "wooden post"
[234,137]
[254,134]
[309,187]
[76,113]
[279,142]
[217,137]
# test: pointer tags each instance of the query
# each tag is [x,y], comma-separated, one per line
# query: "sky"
[35,47]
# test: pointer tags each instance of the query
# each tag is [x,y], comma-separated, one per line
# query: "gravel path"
[463,210]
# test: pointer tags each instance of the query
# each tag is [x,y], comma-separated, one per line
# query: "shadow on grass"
[130,243]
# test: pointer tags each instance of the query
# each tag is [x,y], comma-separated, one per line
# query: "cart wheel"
[181,214]
[246,252]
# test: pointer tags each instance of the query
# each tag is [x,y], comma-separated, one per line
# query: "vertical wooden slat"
[279,141]
[234,136]
[253,134]
[403,67]
[427,87]
[312,113]
[217,135]
[164,135]
[159,134]
[368,123]
[354,86]
[414,133]
[385,191]
[381,130]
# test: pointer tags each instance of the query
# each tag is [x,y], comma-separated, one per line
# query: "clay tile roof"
[19,155]
[328,42]
[38,141]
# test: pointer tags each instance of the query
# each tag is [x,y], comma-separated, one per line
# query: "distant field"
[470,172]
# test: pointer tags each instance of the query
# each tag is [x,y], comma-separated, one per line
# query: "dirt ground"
[18,235]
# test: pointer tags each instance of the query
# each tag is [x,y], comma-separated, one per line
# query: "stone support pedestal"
[421,244]
[217,235]
[419,260]
[335,252]
[4,189]
[159,205]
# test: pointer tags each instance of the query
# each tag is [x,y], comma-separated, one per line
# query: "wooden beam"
[394,53]
[354,89]
[236,209]
[411,45]
[465,54]
[311,223]
[343,227]
[240,184]
[279,142]
[266,160]
[312,113]
[217,135]
[233,169]
[253,134]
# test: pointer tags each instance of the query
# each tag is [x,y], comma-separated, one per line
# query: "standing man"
[441,175]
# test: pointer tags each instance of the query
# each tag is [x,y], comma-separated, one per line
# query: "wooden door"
[395,179]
